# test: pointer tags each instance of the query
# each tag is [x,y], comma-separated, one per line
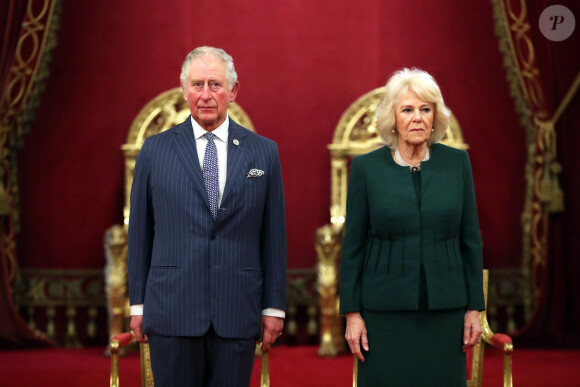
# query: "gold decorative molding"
[62,295]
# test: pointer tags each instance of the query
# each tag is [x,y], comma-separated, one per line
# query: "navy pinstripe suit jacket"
[190,270]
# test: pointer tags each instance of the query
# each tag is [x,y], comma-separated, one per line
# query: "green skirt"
[414,349]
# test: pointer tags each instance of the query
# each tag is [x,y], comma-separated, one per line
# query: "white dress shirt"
[221,142]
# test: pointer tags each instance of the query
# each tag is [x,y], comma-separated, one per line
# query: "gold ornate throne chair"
[161,113]
[355,134]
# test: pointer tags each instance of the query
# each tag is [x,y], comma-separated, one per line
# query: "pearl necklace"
[414,169]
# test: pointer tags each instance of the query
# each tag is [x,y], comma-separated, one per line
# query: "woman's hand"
[471,329]
[356,333]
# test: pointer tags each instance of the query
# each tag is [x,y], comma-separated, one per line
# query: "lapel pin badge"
[236,142]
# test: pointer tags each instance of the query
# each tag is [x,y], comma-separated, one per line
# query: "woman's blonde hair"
[422,84]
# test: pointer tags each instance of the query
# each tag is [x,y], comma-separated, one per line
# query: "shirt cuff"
[137,310]
[273,312]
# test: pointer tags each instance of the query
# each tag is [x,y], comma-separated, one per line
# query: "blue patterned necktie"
[210,173]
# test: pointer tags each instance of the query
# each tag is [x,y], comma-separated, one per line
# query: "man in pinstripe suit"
[207,237]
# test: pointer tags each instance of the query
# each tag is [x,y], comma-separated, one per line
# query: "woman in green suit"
[411,267]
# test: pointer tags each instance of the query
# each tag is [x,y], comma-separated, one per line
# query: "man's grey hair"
[213,52]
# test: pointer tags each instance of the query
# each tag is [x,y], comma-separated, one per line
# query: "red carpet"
[289,366]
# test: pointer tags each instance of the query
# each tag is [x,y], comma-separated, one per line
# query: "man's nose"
[205,92]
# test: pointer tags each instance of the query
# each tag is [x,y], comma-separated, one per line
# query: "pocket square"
[254,173]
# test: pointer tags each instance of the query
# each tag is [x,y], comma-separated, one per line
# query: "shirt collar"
[221,132]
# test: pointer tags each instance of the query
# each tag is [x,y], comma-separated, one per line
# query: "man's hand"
[471,329]
[356,334]
[271,329]
[137,328]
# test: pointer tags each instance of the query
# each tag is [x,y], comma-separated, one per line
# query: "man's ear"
[234,92]
[184,90]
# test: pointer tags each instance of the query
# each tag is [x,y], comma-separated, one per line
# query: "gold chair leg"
[508,349]
[146,370]
[265,370]
[114,381]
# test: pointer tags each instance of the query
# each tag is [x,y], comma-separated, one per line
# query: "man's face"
[207,92]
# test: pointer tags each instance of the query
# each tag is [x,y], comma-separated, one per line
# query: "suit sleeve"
[273,238]
[140,228]
[355,238]
[471,242]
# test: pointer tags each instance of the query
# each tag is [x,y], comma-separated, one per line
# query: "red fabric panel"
[469,360]
[300,64]
[124,338]
[499,339]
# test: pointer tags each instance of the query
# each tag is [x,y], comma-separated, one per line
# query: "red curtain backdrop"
[300,65]
[14,332]
[557,319]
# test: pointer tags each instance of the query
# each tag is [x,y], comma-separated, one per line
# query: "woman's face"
[413,119]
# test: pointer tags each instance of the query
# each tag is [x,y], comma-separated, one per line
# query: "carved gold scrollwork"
[328,244]
[116,279]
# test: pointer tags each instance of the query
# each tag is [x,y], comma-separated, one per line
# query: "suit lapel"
[237,154]
[184,144]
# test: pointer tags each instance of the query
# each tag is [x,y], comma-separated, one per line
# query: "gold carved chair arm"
[502,342]
[499,341]
[118,342]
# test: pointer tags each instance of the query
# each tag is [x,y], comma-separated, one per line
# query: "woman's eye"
[426,110]
[407,110]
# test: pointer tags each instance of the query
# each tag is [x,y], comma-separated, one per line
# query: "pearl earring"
[393,130]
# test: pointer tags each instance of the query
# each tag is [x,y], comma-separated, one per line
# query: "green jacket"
[387,236]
